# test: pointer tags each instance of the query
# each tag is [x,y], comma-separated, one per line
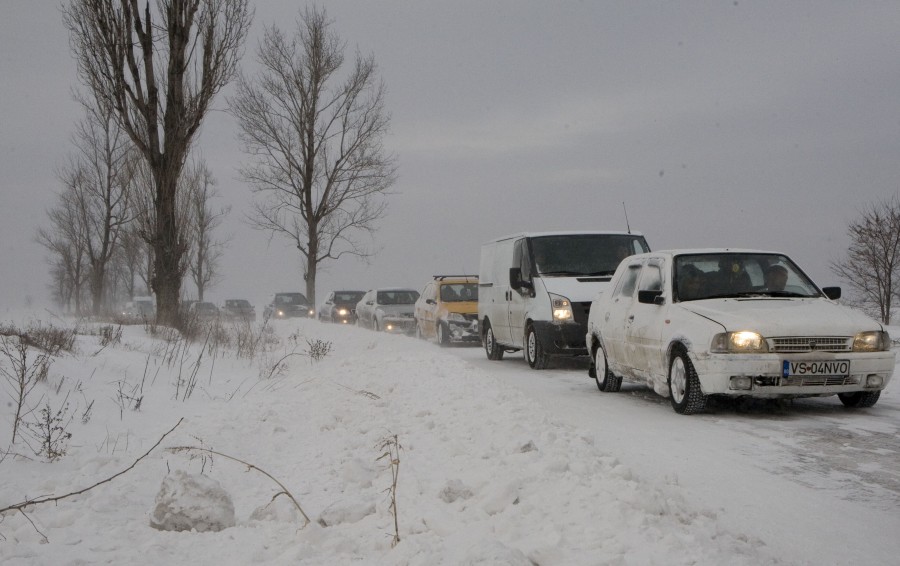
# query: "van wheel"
[534,351]
[606,381]
[493,350]
[443,337]
[859,399]
[684,385]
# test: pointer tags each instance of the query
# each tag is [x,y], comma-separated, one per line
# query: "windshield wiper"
[600,273]
[563,273]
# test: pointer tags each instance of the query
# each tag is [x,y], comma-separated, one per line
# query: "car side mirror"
[651,297]
[370,302]
[833,293]
[515,279]
[430,302]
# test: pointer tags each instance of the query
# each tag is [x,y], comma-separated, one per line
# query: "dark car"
[203,311]
[288,305]
[340,307]
[238,309]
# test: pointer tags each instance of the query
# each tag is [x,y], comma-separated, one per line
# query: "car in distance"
[340,306]
[388,310]
[696,323]
[447,310]
[203,311]
[238,309]
[288,305]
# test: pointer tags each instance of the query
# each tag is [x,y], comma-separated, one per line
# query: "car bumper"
[399,325]
[762,376]
[463,331]
[562,339]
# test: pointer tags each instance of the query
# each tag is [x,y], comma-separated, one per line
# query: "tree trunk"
[168,249]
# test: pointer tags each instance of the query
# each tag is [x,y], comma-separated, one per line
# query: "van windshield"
[570,255]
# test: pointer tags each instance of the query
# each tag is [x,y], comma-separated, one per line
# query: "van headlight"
[743,342]
[562,308]
[873,341]
[343,312]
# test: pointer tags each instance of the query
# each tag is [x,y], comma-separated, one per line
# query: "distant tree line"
[134,213]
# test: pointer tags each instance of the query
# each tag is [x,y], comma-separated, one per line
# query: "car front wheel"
[859,399]
[606,381]
[534,350]
[493,350]
[684,385]
[443,337]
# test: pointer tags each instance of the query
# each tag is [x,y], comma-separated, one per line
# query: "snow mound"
[188,502]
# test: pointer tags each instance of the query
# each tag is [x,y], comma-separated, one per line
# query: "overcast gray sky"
[745,124]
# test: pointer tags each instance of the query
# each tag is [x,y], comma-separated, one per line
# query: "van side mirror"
[833,293]
[651,297]
[515,279]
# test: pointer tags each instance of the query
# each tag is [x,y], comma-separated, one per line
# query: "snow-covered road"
[810,478]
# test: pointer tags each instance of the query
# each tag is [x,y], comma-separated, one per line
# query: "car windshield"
[402,297]
[584,254]
[290,299]
[459,292]
[348,296]
[722,275]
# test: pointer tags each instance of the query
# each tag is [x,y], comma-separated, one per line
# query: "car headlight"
[280,313]
[455,317]
[343,312]
[562,308]
[742,342]
[873,341]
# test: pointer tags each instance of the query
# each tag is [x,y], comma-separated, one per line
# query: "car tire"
[859,399]
[684,385]
[606,381]
[534,350]
[442,333]
[493,350]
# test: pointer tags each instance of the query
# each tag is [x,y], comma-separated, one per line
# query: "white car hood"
[573,289]
[783,317]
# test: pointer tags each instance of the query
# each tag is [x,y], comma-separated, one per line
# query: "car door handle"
[631,318]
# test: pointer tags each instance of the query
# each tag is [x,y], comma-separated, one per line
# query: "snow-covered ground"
[493,468]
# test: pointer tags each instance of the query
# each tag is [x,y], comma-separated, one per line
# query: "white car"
[388,310]
[695,323]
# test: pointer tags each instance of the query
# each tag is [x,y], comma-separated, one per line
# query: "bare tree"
[315,136]
[206,251]
[99,180]
[872,265]
[159,65]
[64,239]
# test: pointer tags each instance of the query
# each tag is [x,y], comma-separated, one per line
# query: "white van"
[535,289]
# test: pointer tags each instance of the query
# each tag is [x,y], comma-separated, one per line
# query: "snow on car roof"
[567,233]
[697,251]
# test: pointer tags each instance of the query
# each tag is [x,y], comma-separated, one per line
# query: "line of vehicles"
[690,324]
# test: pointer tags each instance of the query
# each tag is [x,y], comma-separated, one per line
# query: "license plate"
[830,367]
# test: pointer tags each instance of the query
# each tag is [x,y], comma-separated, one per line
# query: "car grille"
[580,311]
[818,380]
[792,344]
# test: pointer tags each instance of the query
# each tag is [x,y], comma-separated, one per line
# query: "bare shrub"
[110,335]
[23,374]
[50,339]
[51,431]
[317,349]
[391,448]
